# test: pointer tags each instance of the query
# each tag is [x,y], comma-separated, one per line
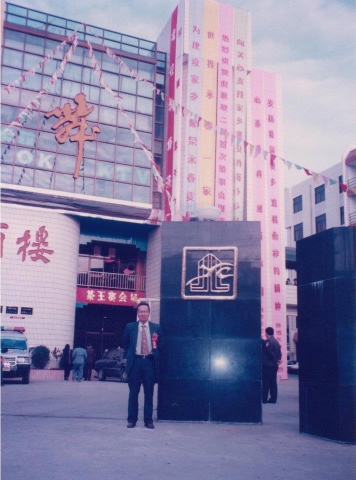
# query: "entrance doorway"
[101,326]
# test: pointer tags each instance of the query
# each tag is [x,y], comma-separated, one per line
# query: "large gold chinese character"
[71,118]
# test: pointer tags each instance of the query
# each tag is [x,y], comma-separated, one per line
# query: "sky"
[309,43]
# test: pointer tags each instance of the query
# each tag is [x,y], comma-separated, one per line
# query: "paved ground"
[68,430]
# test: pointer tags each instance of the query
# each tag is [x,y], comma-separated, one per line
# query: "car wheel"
[26,378]
[123,376]
[101,375]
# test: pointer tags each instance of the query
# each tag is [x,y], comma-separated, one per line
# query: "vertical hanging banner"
[258,172]
[241,65]
[276,251]
[224,149]
[206,167]
[190,120]
[178,145]
[170,125]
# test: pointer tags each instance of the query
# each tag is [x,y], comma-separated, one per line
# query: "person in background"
[79,356]
[295,340]
[66,361]
[89,363]
[271,358]
[288,282]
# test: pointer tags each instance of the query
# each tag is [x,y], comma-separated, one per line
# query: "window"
[320,194]
[320,223]
[340,181]
[298,232]
[342,216]
[297,204]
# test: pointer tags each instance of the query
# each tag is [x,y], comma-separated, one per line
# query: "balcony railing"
[352,218]
[114,281]
[351,184]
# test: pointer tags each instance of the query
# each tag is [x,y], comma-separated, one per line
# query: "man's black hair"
[144,303]
[269,331]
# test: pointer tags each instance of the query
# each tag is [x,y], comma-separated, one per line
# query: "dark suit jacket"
[129,344]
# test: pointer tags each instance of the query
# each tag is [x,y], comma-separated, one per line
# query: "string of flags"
[73,39]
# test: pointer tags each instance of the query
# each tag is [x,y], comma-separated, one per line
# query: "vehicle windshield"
[13,343]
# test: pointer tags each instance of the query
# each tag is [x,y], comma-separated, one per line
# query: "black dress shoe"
[131,425]
[271,401]
[149,425]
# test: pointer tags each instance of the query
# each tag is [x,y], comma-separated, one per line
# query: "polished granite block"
[185,358]
[328,411]
[319,410]
[183,399]
[240,319]
[235,360]
[185,319]
[238,401]
[328,254]
[210,367]
[347,398]
[327,333]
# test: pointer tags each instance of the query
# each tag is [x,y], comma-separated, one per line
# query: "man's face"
[143,312]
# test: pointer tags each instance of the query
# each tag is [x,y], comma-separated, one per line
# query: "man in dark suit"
[141,343]
[271,358]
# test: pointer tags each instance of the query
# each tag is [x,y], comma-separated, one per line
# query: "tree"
[40,357]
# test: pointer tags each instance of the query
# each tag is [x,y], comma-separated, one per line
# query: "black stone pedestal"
[211,362]
[327,334]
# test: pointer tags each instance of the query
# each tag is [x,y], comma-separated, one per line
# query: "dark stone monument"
[326,265]
[211,319]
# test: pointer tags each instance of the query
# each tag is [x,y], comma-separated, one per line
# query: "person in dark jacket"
[89,363]
[271,358]
[66,361]
[141,344]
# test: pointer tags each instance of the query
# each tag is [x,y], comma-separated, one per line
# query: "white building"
[349,172]
[318,203]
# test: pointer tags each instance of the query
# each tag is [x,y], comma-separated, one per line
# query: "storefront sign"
[26,311]
[38,250]
[12,310]
[108,297]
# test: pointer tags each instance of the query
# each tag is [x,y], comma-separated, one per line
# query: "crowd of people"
[80,361]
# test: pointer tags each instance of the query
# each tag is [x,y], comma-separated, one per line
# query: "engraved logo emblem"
[209,273]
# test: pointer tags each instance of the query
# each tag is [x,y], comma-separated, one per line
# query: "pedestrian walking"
[79,356]
[66,361]
[89,363]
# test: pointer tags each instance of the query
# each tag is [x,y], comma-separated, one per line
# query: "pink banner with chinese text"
[224,149]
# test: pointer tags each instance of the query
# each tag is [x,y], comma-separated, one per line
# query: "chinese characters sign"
[30,245]
[108,297]
[74,119]
[267,203]
[207,109]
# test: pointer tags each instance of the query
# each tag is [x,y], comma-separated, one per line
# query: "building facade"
[76,172]
[224,135]
[312,206]
[115,134]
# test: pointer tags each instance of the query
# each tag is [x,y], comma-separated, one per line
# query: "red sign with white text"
[99,296]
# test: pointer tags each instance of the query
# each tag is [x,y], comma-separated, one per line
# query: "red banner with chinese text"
[98,296]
